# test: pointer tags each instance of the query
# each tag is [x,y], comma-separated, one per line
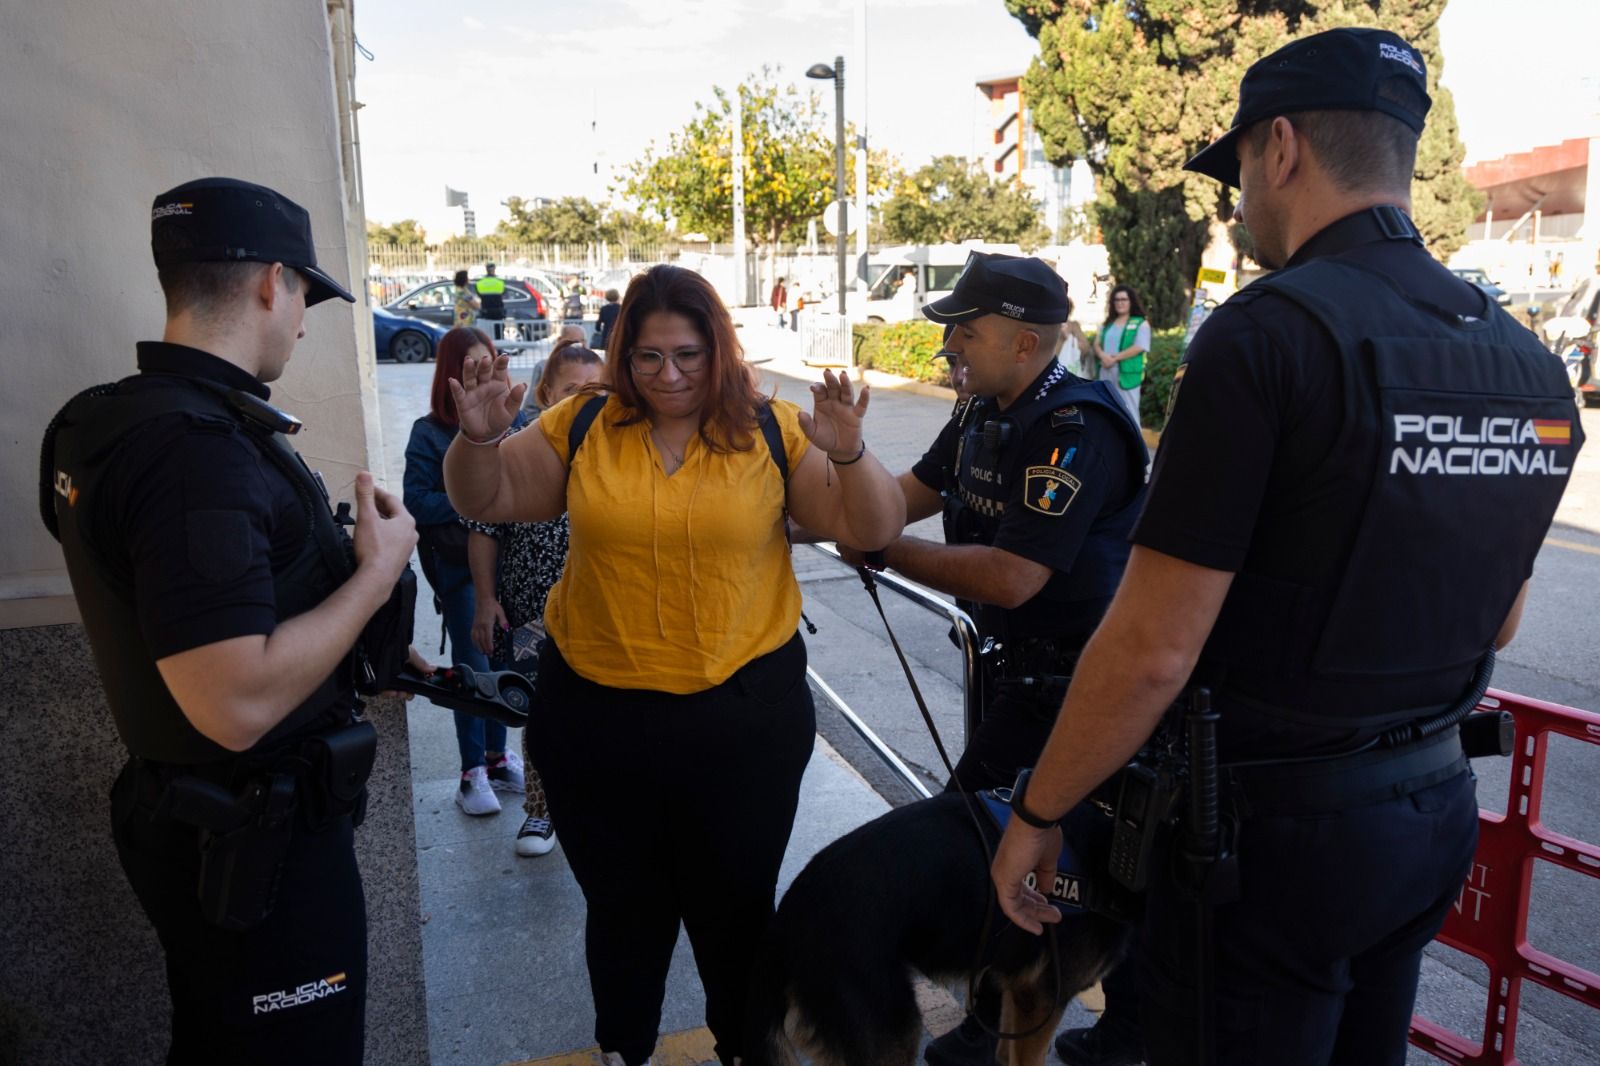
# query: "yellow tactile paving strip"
[692,1047]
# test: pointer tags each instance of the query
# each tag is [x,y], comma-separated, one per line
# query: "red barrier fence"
[1490,920]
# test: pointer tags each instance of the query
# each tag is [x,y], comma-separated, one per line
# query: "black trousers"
[1317,962]
[293,989]
[673,810]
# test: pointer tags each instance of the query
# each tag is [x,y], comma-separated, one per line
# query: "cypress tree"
[1136,87]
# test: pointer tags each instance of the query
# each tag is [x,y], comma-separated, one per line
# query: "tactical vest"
[1470,429]
[989,461]
[81,449]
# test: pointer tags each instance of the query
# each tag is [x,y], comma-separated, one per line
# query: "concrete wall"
[103,106]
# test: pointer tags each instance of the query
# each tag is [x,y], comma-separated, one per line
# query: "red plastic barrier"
[1490,920]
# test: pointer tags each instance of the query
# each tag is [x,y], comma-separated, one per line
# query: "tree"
[1136,87]
[952,199]
[788,172]
[406,232]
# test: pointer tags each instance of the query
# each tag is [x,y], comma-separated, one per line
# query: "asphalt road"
[1552,659]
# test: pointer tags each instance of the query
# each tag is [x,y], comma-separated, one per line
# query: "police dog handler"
[1363,458]
[222,606]
[1039,476]
[674,720]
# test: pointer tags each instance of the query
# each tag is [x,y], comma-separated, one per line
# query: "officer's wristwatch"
[1019,792]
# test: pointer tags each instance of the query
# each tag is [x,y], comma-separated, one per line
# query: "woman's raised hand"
[486,401]
[834,424]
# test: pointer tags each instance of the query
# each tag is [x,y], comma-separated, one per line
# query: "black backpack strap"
[580,424]
[773,433]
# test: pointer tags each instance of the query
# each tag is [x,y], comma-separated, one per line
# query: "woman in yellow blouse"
[674,720]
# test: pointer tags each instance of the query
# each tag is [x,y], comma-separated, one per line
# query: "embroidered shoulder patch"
[1066,416]
[1049,489]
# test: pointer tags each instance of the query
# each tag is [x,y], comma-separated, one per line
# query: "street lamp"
[822,72]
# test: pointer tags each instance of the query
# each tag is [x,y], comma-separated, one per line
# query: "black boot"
[965,1045]
[1103,1045]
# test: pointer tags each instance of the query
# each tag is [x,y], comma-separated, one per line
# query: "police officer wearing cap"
[1039,475]
[1363,457]
[223,606]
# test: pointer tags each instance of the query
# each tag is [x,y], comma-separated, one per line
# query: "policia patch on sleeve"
[1049,489]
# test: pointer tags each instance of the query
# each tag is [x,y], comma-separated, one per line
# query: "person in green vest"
[1122,344]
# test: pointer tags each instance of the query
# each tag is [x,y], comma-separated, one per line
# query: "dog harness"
[1073,886]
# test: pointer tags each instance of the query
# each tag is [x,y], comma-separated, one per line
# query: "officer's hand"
[486,401]
[834,424]
[853,556]
[486,618]
[1024,850]
[385,532]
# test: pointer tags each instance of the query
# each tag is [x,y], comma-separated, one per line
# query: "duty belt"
[1343,782]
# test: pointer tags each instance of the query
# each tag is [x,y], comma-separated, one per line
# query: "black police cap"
[1350,69]
[1025,289]
[224,220]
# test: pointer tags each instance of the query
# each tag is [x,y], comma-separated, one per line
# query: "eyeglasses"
[649,362]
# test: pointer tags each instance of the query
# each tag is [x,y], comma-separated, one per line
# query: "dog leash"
[971,803]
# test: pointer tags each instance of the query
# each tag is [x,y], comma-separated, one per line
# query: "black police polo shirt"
[199,518]
[1247,475]
[1093,452]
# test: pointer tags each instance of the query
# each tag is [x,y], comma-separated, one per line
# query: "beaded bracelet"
[848,462]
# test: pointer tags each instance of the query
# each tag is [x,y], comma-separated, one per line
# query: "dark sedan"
[405,340]
[436,302]
[1474,276]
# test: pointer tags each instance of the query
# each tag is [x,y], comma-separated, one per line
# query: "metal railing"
[971,677]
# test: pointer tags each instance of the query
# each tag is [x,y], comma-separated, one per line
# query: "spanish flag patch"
[1553,430]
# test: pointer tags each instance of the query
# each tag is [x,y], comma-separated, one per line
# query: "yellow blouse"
[671,583]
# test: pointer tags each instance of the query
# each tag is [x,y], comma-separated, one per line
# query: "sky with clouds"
[528,97]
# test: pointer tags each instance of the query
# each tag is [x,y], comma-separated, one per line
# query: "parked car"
[405,340]
[1475,276]
[436,302]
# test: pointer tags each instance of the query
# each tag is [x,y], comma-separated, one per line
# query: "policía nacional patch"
[1049,489]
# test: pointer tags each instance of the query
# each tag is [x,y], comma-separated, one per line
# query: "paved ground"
[502,942]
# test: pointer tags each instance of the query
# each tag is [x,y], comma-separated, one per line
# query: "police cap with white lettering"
[224,220]
[1025,289]
[1351,69]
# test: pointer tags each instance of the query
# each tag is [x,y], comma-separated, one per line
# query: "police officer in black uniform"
[1362,460]
[1039,475]
[223,605]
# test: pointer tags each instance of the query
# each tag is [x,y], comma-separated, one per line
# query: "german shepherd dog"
[910,891]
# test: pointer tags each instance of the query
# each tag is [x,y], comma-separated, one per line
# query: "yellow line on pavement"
[1572,545]
[692,1047]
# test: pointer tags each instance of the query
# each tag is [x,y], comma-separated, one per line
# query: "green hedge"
[1166,351]
[906,349]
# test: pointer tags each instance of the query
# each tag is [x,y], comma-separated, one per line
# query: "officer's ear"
[1283,149]
[270,287]
[1027,342]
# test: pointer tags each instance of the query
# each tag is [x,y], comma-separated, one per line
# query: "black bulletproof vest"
[1470,430]
[88,434]
[990,460]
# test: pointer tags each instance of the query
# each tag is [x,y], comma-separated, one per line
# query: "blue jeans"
[474,735]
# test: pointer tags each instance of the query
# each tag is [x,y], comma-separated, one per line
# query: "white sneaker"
[475,796]
[506,775]
[536,837]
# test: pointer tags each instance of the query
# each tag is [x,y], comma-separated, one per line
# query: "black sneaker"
[1102,1045]
[965,1045]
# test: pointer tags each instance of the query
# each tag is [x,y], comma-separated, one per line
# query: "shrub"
[1166,352]
[906,349]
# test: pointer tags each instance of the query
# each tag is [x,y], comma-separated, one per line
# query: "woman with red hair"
[673,721]
[486,765]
